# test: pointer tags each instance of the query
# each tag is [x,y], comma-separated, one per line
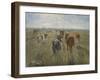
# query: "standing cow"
[70,43]
[72,39]
[56,44]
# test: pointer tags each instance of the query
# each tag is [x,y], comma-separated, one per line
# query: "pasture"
[39,52]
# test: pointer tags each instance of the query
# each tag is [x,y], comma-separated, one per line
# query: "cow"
[45,35]
[72,39]
[62,33]
[40,37]
[56,44]
[60,36]
[70,43]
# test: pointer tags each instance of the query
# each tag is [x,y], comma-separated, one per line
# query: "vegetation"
[39,53]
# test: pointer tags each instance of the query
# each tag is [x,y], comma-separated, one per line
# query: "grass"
[40,53]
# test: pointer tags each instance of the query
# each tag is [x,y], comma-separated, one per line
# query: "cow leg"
[54,50]
[67,47]
[63,47]
[71,49]
[72,61]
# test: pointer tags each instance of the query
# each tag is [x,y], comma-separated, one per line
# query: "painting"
[53,39]
[56,39]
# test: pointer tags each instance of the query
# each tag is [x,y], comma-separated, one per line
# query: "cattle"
[72,39]
[61,32]
[56,44]
[40,37]
[60,37]
[70,43]
[45,36]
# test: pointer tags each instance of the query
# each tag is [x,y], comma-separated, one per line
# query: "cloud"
[47,20]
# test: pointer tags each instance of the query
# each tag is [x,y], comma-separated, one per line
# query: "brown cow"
[70,43]
[72,39]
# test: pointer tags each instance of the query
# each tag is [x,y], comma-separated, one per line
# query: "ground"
[39,53]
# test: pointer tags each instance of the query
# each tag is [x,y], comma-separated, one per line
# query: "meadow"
[39,53]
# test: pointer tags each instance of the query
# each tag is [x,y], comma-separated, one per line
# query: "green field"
[39,53]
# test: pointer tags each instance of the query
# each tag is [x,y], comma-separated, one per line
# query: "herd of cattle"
[70,39]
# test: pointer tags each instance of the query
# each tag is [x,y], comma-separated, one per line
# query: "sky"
[59,21]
